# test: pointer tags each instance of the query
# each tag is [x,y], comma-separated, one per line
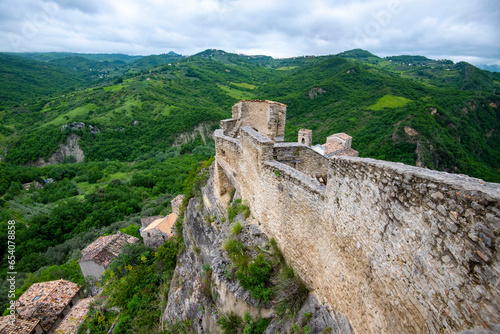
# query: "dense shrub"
[256,278]
[230,323]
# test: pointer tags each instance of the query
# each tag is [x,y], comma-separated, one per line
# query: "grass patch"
[121,176]
[254,327]
[236,229]
[253,274]
[266,278]
[389,101]
[243,85]
[167,110]
[286,68]
[230,323]
[79,197]
[237,252]
[115,88]
[238,207]
[384,63]
[118,114]
[236,93]
[255,277]
[206,281]
[289,290]
[71,115]
[86,187]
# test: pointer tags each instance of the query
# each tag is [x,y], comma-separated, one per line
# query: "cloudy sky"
[454,29]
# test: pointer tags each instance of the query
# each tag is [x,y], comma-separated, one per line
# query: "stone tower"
[305,137]
[266,117]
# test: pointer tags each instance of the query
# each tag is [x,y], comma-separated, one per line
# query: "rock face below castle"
[397,249]
[205,230]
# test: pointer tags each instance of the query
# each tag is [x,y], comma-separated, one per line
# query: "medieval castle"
[395,248]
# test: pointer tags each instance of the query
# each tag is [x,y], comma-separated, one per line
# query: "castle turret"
[305,137]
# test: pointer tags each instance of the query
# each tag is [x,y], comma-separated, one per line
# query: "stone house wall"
[91,268]
[154,238]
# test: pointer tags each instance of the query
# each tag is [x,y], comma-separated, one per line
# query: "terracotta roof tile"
[19,326]
[104,249]
[333,147]
[148,220]
[75,317]
[45,301]
[164,225]
[340,135]
[349,152]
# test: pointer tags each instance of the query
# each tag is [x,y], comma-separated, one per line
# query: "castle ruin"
[396,248]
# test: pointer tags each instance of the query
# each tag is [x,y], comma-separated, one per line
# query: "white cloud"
[457,28]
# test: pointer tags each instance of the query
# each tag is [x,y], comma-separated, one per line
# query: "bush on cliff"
[256,278]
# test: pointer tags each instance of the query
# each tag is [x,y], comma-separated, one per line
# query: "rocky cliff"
[202,130]
[203,289]
[68,152]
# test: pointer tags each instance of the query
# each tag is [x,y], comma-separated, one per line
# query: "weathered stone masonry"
[396,248]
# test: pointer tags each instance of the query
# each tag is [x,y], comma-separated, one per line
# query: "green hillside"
[404,108]
[156,60]
[23,79]
[457,130]
[91,69]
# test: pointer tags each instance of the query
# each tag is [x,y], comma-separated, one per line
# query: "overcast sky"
[454,29]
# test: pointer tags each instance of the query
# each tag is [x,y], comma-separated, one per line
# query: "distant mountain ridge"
[491,68]
[48,56]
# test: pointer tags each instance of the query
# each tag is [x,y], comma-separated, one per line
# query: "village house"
[32,185]
[75,317]
[158,231]
[145,222]
[97,256]
[43,306]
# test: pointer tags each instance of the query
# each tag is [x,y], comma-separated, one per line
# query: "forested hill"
[22,79]
[27,77]
[394,118]
[411,109]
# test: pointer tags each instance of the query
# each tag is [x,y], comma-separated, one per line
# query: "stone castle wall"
[398,249]
[303,159]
